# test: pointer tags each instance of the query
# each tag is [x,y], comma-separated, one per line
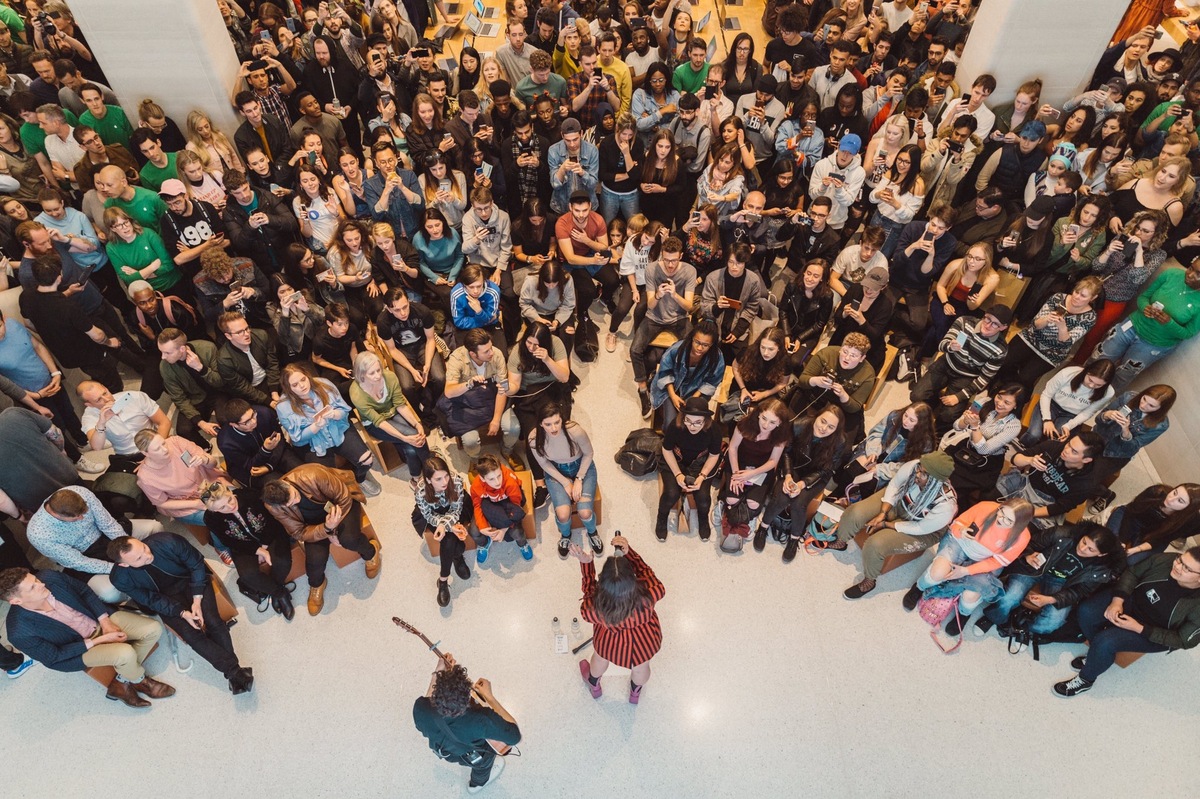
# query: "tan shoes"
[316,597]
[153,688]
[124,692]
[372,565]
[610,342]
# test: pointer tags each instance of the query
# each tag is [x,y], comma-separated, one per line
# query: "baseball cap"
[570,125]
[850,143]
[172,187]
[876,279]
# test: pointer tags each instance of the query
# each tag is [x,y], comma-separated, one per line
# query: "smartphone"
[572,159]
[1060,309]
[420,52]
[321,275]
[922,7]
[312,158]
[961,338]
[1076,229]
[291,24]
[734,305]
[329,506]
[264,35]
[976,404]
[954,146]
[444,185]
[695,217]
[446,136]
[707,93]
[1158,34]
[188,458]
[966,97]
[235,285]
[1125,411]
[1158,306]
[753,219]
[825,31]
[837,176]
[1039,559]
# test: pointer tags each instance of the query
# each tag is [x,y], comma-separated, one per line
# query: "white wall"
[174,51]
[1056,40]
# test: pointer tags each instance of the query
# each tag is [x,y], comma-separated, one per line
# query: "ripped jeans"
[562,500]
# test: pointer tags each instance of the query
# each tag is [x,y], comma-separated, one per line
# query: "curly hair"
[451,692]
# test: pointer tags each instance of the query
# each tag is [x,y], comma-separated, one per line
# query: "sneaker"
[597,544]
[370,486]
[790,549]
[541,495]
[460,568]
[660,533]
[760,538]
[585,669]
[954,626]
[1078,663]
[88,466]
[1072,687]
[526,552]
[515,463]
[610,342]
[903,370]
[481,554]
[226,556]
[647,410]
[497,769]
[859,590]
[441,346]
[982,627]
[564,547]
[912,597]
[1098,505]
[19,670]
[732,544]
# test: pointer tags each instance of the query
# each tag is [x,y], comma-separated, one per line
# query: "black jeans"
[937,381]
[213,643]
[672,493]
[504,515]
[352,448]
[190,428]
[798,504]
[423,398]
[625,304]
[451,551]
[481,771]
[350,534]
[252,577]
[585,288]
[645,333]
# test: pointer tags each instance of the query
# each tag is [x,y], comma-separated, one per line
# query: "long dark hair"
[1102,368]
[756,370]
[534,206]
[1031,245]
[544,337]
[750,428]
[829,448]
[539,433]
[619,593]
[1080,137]
[921,439]
[432,466]
[1150,501]
[731,58]
[649,168]
[914,169]
[550,272]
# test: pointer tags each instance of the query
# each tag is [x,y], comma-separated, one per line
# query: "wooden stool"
[387,457]
[297,568]
[576,522]
[528,524]
[888,357]
[892,561]
[1126,659]
[199,532]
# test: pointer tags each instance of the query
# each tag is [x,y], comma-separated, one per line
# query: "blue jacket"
[49,642]
[298,423]
[173,555]
[464,317]
[400,212]
[673,368]
[589,159]
[1114,445]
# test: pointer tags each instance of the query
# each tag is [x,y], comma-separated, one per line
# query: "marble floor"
[769,683]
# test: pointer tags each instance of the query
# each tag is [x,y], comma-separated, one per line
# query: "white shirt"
[132,412]
[982,114]
[66,152]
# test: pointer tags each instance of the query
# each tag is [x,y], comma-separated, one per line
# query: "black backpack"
[640,453]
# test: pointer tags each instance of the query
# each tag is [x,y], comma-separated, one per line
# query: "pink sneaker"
[635,693]
[585,669]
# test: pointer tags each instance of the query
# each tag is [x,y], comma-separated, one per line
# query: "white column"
[1059,41]
[174,51]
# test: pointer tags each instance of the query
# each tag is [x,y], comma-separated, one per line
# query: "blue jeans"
[1047,621]
[560,499]
[195,517]
[1105,640]
[1033,435]
[985,585]
[612,203]
[891,228]
[414,457]
[1124,347]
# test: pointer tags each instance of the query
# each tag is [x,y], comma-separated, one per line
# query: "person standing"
[458,729]
[620,606]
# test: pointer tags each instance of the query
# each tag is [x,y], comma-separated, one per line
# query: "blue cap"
[1033,130]
[851,143]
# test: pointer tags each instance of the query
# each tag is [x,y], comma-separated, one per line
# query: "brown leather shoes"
[153,688]
[372,565]
[125,692]
[316,597]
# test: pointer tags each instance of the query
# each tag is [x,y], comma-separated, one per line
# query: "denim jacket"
[298,423]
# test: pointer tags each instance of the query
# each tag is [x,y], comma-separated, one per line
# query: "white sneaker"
[902,368]
[497,770]
[89,467]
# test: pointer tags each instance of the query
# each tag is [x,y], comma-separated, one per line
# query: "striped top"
[636,639]
[979,357]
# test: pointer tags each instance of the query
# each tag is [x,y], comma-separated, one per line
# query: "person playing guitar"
[463,731]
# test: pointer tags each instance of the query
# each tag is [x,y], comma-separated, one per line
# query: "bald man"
[143,205]
[112,420]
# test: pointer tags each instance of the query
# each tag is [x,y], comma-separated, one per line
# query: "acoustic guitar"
[498,747]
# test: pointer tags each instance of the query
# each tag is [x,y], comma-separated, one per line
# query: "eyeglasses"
[1186,568]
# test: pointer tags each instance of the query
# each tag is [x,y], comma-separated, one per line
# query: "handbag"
[935,611]
[733,409]
[966,455]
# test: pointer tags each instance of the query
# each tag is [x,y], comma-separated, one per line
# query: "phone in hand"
[189,460]
[420,52]
[329,506]
[976,406]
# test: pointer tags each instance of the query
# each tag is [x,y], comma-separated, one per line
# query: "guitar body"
[498,747]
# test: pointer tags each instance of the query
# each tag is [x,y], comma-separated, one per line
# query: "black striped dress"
[636,639]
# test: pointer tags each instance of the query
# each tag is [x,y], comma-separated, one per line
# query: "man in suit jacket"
[61,623]
[247,362]
[262,128]
[166,575]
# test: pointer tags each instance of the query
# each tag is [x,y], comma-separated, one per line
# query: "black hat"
[696,406]
[1003,313]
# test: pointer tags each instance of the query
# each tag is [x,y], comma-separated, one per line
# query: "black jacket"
[279,139]
[803,318]
[173,555]
[234,366]
[801,461]
[1056,543]
[263,245]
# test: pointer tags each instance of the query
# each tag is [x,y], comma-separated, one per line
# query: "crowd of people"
[401,248]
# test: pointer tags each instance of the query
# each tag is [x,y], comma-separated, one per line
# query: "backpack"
[640,454]
[821,531]
[935,611]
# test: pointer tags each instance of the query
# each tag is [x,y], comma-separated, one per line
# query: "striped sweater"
[979,358]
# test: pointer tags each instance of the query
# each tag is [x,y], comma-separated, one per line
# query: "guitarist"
[462,731]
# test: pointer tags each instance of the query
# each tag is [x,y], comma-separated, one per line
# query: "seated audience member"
[983,220]
[539,371]
[252,443]
[904,434]
[318,506]
[25,361]
[61,623]
[1156,517]
[690,454]
[977,439]
[564,451]
[226,284]
[866,310]
[857,260]
[487,241]
[1071,397]
[407,330]
[1154,607]
[969,357]
[908,515]
[984,539]
[965,287]
[1047,342]
[839,176]
[385,413]
[1061,567]
[154,312]
[759,372]
[583,245]
[247,361]
[837,374]
[731,297]
[754,451]
[690,367]
[112,420]
[670,299]
[814,239]
[255,537]
[257,222]
[475,305]
[167,576]
[475,393]
[804,311]
[335,346]
[548,298]
[499,504]
[443,508]
[192,381]
[172,473]
[1055,476]
[73,529]
[317,421]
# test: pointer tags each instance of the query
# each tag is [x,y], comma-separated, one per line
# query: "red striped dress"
[636,639]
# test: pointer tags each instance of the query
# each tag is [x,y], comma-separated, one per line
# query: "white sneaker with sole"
[89,466]
[497,770]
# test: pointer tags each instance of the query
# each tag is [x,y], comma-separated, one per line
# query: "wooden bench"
[528,524]
[1126,659]
[387,456]
[889,355]
[344,557]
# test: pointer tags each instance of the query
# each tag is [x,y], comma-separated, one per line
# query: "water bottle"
[575,627]
[555,625]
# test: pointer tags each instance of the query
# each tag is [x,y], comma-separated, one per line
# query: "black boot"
[760,537]
[912,597]
[443,594]
[789,549]
[282,602]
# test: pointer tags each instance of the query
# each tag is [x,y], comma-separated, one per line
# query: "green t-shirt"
[34,138]
[140,253]
[153,177]
[113,129]
[686,79]
[146,208]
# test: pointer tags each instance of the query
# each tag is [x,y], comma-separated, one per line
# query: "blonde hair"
[220,143]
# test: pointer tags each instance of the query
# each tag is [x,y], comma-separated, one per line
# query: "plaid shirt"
[578,84]
[527,176]
[272,103]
